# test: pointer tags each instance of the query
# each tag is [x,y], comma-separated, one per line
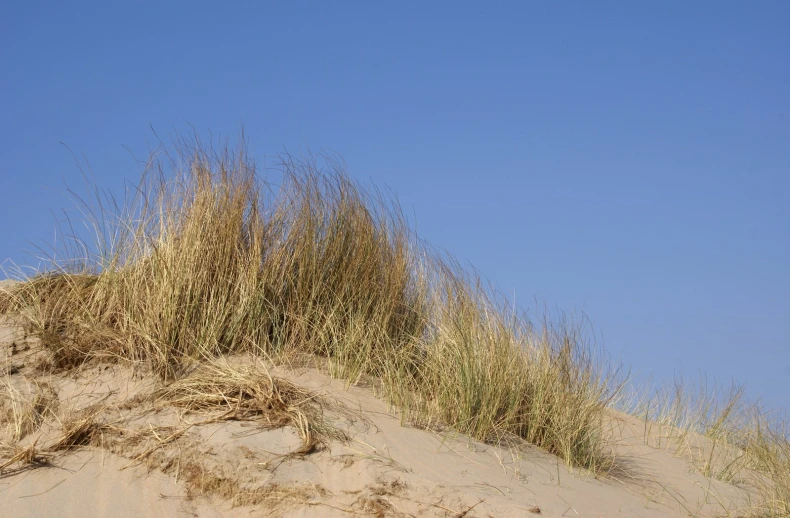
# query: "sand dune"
[132,388]
[383,466]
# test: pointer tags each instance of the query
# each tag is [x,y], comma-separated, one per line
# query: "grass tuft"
[24,408]
[207,259]
[248,392]
[725,437]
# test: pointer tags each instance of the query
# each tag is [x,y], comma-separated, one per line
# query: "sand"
[384,467]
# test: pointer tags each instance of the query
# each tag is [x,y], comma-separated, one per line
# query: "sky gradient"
[627,160]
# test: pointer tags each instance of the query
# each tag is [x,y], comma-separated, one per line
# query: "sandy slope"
[385,468]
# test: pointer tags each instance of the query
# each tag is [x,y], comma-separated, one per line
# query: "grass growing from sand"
[207,260]
[725,437]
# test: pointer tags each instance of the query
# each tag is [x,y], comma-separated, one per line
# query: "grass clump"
[207,259]
[768,450]
[248,392]
[725,436]
[24,408]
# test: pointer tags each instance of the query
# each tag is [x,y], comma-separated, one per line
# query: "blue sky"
[628,160]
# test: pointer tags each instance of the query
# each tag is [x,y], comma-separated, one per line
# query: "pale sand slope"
[384,469]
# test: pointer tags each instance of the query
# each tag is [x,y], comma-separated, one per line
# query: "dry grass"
[207,259]
[166,449]
[725,437]
[21,456]
[204,481]
[219,390]
[768,451]
[82,428]
[171,451]
[248,392]
[24,406]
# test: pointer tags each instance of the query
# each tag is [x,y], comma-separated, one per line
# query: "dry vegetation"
[250,393]
[214,391]
[22,409]
[724,436]
[207,259]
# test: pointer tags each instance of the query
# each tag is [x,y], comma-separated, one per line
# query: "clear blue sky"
[625,159]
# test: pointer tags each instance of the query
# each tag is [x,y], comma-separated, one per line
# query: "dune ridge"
[295,349]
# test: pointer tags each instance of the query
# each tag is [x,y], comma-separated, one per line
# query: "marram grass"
[208,259]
